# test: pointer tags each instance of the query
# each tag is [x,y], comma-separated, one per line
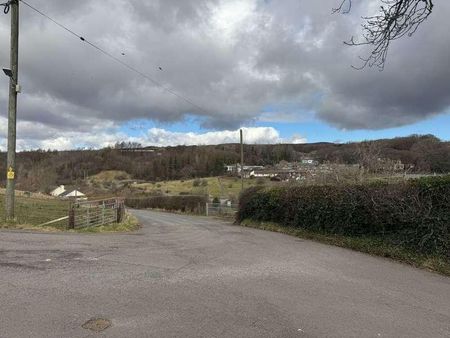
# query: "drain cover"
[97,324]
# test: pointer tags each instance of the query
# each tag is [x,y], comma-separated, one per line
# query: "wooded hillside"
[41,170]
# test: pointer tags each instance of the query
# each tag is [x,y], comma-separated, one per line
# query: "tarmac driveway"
[185,276]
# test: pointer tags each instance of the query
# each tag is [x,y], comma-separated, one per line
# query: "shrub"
[414,214]
[196,182]
[194,204]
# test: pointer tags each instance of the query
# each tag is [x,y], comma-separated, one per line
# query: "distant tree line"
[127,145]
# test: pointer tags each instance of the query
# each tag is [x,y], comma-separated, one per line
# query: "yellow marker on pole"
[11,174]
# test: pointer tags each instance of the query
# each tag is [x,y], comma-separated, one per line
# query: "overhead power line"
[111,56]
[6,6]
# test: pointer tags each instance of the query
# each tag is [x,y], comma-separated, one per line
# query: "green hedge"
[415,214]
[193,204]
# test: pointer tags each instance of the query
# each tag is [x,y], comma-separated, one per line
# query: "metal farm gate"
[217,209]
[84,214]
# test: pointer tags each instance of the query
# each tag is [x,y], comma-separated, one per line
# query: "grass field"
[220,187]
[110,176]
[33,211]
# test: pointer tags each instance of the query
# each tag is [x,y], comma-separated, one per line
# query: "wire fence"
[217,209]
[83,214]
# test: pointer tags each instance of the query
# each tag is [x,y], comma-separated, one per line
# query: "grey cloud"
[62,7]
[413,86]
[284,53]
[169,15]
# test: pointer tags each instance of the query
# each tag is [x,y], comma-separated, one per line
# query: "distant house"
[58,191]
[62,193]
[236,168]
[399,166]
[309,161]
[281,175]
[74,194]
[261,173]
[231,168]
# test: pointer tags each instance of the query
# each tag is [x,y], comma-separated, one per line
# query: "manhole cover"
[97,324]
[153,274]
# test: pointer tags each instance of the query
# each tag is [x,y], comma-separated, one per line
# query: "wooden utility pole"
[242,161]
[12,112]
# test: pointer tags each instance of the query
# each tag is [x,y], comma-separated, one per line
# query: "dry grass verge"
[129,224]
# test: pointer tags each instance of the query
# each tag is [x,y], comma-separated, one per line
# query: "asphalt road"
[184,276]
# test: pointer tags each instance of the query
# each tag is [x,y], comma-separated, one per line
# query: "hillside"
[41,170]
[220,187]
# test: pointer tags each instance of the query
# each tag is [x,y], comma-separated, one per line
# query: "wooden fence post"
[103,213]
[72,216]
[120,210]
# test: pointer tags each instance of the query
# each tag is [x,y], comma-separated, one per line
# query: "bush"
[196,182]
[194,204]
[414,214]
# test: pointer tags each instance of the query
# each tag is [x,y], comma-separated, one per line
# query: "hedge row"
[415,214]
[194,204]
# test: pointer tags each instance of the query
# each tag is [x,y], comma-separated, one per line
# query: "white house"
[310,162]
[231,168]
[237,167]
[260,173]
[58,191]
[74,194]
[61,192]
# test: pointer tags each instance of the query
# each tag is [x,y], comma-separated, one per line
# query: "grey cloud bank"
[233,58]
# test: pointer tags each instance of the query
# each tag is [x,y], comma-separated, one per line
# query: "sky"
[277,69]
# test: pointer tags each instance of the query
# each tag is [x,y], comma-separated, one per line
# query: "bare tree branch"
[341,9]
[396,19]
